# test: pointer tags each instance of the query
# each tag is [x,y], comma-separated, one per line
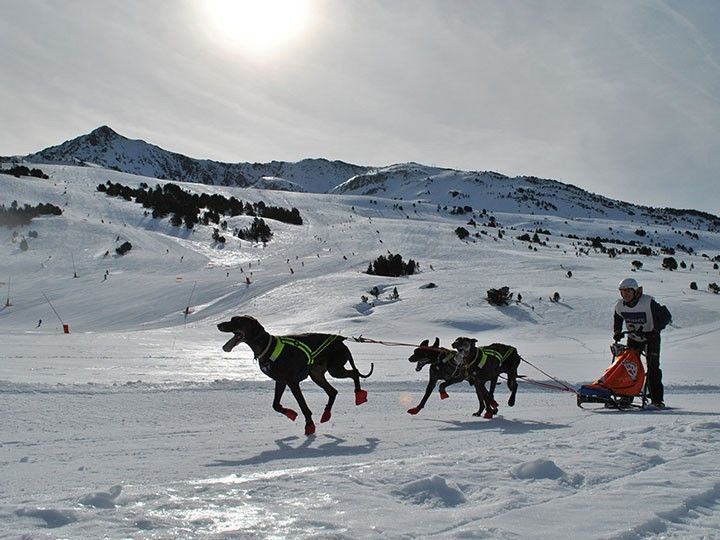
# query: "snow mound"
[433,491]
[102,499]
[537,469]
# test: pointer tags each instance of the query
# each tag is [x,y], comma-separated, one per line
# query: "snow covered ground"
[137,425]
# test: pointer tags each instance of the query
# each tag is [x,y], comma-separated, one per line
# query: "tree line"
[15,216]
[185,207]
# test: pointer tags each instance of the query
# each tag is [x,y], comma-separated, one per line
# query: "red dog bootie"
[414,410]
[310,428]
[444,394]
[360,397]
[292,415]
[326,415]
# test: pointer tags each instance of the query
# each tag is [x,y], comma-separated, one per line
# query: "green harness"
[281,342]
[483,353]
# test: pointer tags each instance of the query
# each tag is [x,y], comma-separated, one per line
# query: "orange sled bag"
[624,378]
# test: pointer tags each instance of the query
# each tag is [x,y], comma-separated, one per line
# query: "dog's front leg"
[309,424]
[279,390]
[484,399]
[448,382]
[428,390]
[493,402]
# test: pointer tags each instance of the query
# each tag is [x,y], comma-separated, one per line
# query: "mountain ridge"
[410,182]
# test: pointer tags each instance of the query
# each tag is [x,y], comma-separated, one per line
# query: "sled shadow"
[304,448]
[511,427]
[516,313]
[471,327]
[670,411]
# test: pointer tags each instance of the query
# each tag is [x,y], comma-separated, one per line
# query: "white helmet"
[629,283]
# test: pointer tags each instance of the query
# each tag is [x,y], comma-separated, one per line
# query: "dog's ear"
[424,343]
[437,343]
[254,328]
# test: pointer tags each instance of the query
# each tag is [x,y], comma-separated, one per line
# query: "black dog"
[442,368]
[482,364]
[290,359]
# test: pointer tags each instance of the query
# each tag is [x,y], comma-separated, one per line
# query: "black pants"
[652,356]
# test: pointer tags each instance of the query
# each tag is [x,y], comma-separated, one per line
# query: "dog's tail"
[364,376]
[369,372]
[352,362]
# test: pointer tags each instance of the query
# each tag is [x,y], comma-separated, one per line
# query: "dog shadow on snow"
[303,448]
[509,426]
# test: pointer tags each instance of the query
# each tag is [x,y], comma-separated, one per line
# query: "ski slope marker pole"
[66,327]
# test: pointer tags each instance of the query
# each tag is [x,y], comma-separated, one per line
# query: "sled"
[621,383]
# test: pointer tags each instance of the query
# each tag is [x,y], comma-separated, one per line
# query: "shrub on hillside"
[499,297]
[392,266]
[693,286]
[17,216]
[462,233]
[22,170]
[669,263]
[259,231]
[124,248]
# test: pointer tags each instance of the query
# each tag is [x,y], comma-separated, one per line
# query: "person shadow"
[304,448]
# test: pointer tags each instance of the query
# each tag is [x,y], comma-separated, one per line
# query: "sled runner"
[621,383]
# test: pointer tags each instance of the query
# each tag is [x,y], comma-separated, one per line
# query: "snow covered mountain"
[410,182]
[106,148]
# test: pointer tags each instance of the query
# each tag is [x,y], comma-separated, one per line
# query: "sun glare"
[257,28]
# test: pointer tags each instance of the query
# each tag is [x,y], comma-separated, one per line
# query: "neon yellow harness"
[486,352]
[282,341]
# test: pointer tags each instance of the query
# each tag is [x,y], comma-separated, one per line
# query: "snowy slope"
[137,425]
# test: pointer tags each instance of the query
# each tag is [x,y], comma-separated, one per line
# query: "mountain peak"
[103,133]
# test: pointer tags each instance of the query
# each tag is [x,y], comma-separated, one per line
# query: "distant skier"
[39,323]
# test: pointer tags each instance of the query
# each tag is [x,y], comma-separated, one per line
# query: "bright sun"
[258,28]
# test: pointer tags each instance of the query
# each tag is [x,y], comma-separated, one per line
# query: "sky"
[619,98]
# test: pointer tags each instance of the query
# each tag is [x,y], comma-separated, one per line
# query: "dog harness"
[281,342]
[449,356]
[486,352]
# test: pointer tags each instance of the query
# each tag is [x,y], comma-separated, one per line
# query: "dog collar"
[266,349]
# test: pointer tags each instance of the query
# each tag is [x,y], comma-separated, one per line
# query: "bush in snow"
[258,231]
[124,248]
[693,286]
[392,265]
[669,263]
[499,297]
